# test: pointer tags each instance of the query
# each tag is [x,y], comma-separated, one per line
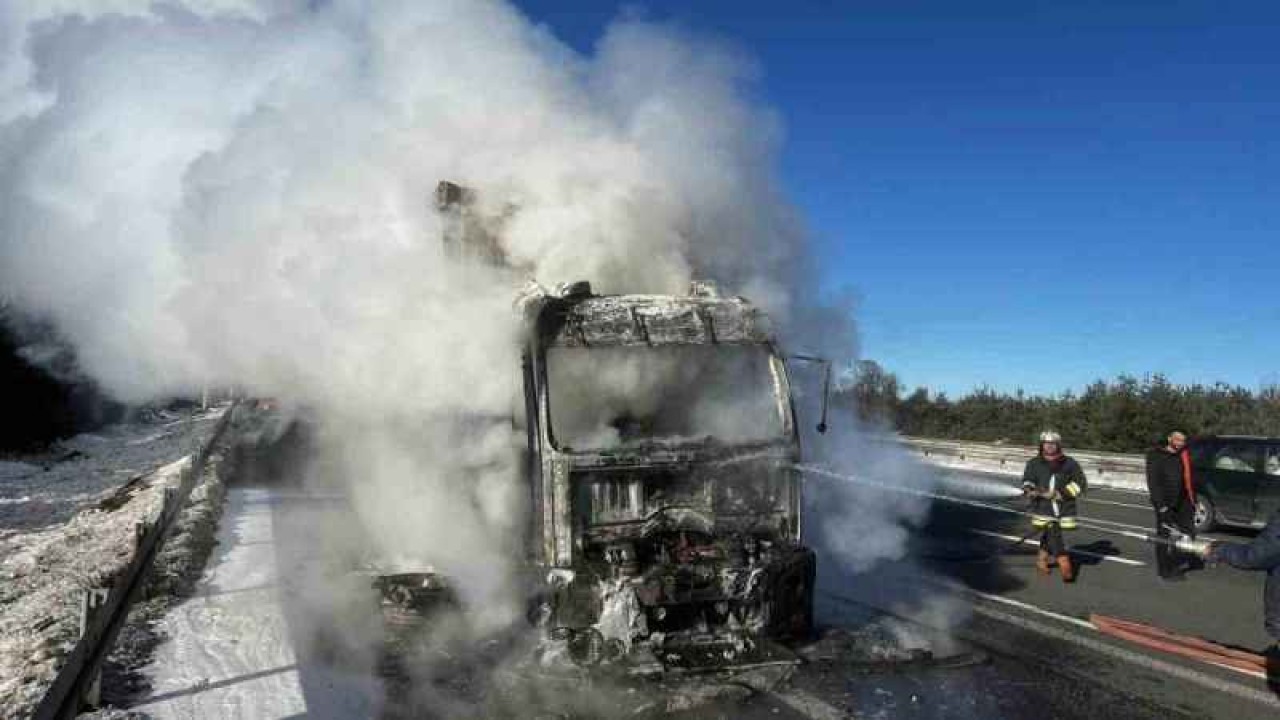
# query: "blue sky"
[1025,194]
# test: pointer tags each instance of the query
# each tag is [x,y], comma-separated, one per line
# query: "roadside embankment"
[73,523]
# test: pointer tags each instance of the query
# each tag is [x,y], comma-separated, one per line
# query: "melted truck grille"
[618,499]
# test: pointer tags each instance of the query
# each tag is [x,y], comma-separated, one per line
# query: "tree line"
[1127,414]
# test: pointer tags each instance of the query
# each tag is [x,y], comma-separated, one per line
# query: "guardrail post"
[166,508]
[91,602]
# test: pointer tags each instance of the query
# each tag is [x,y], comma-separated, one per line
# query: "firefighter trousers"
[1051,538]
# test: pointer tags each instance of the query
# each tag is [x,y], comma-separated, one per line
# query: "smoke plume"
[238,193]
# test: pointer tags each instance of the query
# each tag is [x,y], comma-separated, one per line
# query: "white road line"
[1128,526]
[1122,653]
[1093,641]
[1074,551]
[809,706]
[1028,607]
[1118,504]
[1144,530]
[1076,621]
[1122,491]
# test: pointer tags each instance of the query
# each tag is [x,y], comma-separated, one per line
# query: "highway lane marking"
[809,705]
[1128,530]
[1122,653]
[1146,530]
[1093,642]
[1116,503]
[1122,491]
[1128,526]
[1074,551]
[1029,608]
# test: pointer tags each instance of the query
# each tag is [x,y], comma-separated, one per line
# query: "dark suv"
[1237,480]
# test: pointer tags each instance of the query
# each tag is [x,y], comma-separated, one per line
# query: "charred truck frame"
[665,533]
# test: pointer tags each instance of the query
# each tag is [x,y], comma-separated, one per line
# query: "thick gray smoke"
[237,193]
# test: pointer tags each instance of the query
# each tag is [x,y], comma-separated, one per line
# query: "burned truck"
[662,449]
[661,456]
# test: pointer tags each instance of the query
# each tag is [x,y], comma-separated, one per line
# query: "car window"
[1271,465]
[1236,457]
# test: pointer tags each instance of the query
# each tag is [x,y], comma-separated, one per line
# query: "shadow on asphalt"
[949,544]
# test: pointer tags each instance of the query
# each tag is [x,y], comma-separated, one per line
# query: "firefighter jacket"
[1261,554]
[1167,479]
[1061,474]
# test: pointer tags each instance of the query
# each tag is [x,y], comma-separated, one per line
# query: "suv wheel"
[1205,517]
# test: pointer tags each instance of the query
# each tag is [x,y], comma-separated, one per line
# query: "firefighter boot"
[1042,562]
[1064,565]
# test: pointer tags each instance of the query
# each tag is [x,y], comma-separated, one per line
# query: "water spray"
[999,491]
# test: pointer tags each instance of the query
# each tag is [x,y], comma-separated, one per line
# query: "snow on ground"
[67,523]
[244,646]
[48,488]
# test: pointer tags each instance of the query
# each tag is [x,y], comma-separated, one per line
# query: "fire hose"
[1177,539]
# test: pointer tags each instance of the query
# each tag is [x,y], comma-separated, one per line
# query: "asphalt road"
[1117,574]
[269,635]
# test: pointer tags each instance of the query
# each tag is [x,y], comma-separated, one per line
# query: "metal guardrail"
[104,610]
[1025,451]
[1123,470]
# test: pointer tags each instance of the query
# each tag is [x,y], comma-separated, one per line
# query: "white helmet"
[1050,436]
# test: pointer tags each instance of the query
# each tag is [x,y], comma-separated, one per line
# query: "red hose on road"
[1193,648]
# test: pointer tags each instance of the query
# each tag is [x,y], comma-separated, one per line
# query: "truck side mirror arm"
[826,384]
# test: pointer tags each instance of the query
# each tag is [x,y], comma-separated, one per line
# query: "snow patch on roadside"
[58,537]
[46,489]
[232,649]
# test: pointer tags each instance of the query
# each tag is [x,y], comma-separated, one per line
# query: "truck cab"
[664,524]
[662,445]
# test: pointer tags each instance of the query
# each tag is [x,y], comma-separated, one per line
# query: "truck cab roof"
[612,320]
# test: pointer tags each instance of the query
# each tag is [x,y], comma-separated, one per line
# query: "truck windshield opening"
[611,397]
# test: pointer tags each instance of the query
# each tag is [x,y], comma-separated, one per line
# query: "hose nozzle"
[1192,546]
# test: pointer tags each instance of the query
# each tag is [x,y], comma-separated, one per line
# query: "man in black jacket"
[1261,554]
[1173,497]
[1053,481]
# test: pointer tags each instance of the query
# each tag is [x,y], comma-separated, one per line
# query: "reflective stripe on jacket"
[1062,474]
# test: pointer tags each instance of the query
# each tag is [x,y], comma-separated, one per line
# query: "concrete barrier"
[1109,470]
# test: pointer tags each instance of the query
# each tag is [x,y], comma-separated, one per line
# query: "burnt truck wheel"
[792,598]
[409,603]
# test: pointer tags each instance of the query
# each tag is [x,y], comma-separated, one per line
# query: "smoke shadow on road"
[986,551]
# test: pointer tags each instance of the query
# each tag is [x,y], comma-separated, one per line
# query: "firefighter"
[1173,497]
[1053,481]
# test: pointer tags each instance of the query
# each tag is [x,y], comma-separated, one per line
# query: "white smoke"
[237,192]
